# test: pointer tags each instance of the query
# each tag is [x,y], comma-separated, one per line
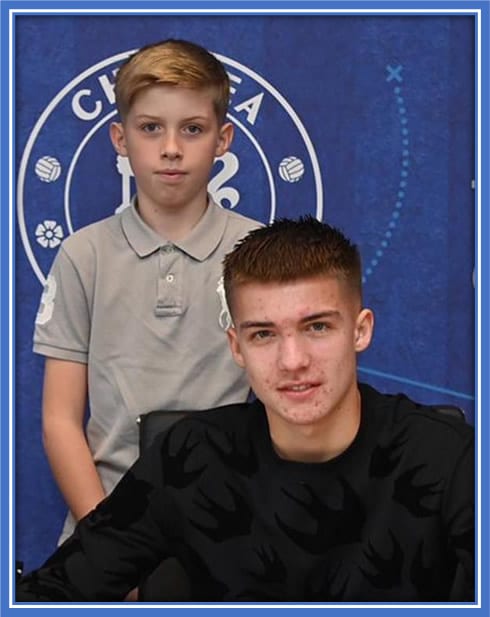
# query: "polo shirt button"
[170,278]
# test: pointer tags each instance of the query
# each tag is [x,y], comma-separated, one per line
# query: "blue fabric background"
[388,105]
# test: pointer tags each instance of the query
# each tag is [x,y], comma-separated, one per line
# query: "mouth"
[170,173]
[298,388]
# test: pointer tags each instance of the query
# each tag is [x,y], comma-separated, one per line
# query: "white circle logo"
[271,170]
[291,169]
[48,169]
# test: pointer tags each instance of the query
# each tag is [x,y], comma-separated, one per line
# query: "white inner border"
[227,11]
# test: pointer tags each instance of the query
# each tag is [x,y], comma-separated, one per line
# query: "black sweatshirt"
[389,520]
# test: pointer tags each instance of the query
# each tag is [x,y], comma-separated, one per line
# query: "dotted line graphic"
[395,74]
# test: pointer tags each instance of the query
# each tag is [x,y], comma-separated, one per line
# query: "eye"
[150,127]
[193,129]
[318,326]
[261,335]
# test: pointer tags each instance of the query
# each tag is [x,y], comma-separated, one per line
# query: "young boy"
[133,315]
[322,490]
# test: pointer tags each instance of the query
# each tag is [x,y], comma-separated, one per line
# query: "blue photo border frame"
[9,10]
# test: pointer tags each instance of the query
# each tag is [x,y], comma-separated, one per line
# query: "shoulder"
[226,428]
[424,425]
[234,418]
[235,222]
[91,237]
[203,446]
[415,445]
[239,220]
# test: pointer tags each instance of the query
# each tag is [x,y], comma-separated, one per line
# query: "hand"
[132,595]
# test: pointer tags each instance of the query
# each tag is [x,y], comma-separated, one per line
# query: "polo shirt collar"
[199,244]
[207,234]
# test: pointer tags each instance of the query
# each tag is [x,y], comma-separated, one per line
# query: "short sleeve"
[62,325]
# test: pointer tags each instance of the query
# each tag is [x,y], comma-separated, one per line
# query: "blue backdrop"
[367,122]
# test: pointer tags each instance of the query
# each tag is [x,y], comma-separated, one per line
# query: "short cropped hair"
[172,62]
[289,250]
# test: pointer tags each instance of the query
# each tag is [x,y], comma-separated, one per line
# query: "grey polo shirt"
[148,317]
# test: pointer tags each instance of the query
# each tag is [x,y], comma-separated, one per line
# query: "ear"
[225,138]
[118,138]
[235,347]
[364,329]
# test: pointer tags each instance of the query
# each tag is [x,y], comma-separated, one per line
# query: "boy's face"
[171,136]
[298,343]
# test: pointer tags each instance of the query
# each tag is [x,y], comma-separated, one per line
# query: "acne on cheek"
[328,387]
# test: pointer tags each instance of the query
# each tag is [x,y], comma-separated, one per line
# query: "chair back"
[450,410]
[168,582]
[153,423]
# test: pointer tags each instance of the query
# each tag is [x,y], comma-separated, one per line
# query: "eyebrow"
[145,116]
[269,324]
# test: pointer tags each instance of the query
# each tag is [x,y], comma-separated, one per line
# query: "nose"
[293,354]
[170,146]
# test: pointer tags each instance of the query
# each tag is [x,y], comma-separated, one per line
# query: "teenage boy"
[133,316]
[322,490]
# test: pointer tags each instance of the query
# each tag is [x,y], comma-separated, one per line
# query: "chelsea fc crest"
[70,176]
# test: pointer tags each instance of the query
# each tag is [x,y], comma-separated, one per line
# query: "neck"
[173,223]
[320,441]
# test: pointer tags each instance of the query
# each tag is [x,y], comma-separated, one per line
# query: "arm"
[116,545]
[64,401]
[459,517]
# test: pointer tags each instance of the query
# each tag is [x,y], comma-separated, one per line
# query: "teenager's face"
[171,136]
[298,343]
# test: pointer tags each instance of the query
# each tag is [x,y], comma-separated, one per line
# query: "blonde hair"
[176,63]
[289,250]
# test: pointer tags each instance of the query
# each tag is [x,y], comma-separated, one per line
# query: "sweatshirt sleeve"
[116,545]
